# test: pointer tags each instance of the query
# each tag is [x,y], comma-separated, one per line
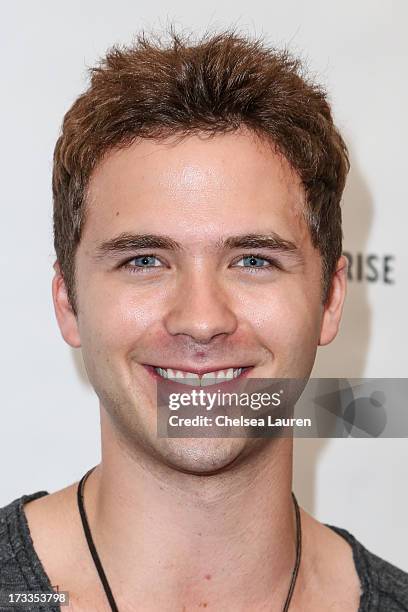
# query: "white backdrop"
[50,420]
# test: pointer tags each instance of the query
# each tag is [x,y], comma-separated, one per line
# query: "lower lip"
[225,384]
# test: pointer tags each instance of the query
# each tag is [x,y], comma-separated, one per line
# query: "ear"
[333,308]
[66,318]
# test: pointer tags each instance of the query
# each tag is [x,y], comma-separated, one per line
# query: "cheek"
[113,328]
[284,319]
[116,316]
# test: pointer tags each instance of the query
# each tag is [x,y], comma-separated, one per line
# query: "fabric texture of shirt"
[384,587]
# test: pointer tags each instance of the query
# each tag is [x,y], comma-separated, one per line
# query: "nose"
[201,309]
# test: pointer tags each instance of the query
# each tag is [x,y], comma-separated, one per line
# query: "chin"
[202,456]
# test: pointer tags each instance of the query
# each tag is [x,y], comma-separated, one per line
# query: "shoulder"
[384,586]
[17,560]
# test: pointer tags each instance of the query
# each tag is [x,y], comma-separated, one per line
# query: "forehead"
[196,187]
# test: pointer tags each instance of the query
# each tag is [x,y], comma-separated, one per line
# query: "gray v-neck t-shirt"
[384,587]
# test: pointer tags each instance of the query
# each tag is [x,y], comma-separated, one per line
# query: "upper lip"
[200,371]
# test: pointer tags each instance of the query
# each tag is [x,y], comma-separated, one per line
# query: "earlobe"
[66,318]
[333,308]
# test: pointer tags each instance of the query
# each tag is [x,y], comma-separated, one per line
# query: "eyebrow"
[130,242]
[257,241]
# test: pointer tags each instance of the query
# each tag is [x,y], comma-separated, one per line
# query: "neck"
[195,540]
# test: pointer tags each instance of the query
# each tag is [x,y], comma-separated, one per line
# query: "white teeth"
[229,374]
[208,379]
[210,375]
[192,379]
[219,376]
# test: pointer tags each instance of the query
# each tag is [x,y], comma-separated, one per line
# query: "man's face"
[197,300]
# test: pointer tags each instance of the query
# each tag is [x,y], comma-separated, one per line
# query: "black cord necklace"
[102,575]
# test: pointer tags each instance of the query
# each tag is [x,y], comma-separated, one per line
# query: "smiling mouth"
[197,380]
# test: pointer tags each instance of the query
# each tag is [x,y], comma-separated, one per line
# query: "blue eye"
[144,260]
[253,260]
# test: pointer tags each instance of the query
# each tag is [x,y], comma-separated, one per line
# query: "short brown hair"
[153,89]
